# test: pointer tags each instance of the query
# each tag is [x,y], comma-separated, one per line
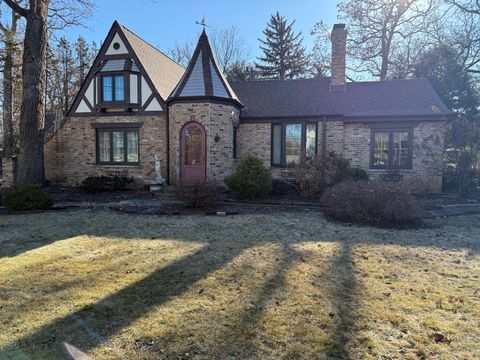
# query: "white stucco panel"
[89,94]
[83,107]
[146,91]
[154,106]
[122,49]
[133,89]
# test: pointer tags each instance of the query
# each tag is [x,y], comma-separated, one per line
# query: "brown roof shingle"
[163,71]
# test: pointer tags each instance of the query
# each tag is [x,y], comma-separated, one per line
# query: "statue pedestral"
[156,183]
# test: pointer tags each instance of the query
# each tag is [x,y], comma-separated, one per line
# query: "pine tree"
[284,55]
[67,64]
[82,59]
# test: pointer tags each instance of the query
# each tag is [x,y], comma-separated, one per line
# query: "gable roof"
[203,78]
[163,71]
[160,73]
[312,97]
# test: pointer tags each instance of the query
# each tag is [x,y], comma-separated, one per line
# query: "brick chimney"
[339,49]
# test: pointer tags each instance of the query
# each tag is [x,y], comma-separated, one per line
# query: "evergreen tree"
[284,55]
[67,65]
[82,58]
[456,88]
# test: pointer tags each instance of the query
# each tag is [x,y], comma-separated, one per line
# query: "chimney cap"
[339,26]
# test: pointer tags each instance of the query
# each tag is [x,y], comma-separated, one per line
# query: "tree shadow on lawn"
[119,310]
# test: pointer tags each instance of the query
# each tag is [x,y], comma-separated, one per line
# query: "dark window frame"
[234,145]
[391,132]
[125,131]
[113,76]
[283,133]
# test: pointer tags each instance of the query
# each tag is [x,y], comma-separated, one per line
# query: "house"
[138,110]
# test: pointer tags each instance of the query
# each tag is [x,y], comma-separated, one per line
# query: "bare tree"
[378,28]
[181,52]
[320,57]
[32,115]
[230,47]
[9,35]
[470,6]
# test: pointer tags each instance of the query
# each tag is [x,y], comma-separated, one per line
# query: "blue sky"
[162,22]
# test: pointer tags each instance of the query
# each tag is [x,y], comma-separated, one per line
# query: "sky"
[162,22]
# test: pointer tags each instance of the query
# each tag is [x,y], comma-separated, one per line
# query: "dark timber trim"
[203,47]
[94,71]
[131,125]
[204,99]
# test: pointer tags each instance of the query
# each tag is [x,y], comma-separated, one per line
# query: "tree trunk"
[7,106]
[32,114]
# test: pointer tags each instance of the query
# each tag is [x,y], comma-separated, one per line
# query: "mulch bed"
[211,210]
[72,194]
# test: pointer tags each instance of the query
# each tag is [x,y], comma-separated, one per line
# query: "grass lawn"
[289,285]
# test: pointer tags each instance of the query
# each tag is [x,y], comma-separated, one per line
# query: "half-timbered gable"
[128,76]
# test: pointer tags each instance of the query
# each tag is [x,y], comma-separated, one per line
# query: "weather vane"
[203,23]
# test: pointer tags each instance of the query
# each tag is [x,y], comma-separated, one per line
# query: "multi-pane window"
[117,146]
[113,88]
[293,142]
[391,149]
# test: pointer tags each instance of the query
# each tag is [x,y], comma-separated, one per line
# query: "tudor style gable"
[129,76]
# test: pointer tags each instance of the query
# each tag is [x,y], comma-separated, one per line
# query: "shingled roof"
[163,71]
[312,97]
[203,78]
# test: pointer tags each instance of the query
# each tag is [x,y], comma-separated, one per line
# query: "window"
[113,88]
[293,142]
[117,146]
[391,149]
[235,131]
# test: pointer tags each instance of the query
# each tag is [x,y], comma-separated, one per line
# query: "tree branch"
[17,8]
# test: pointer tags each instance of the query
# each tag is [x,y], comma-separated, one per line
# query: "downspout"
[168,143]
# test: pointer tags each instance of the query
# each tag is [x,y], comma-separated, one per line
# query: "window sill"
[137,165]
[390,170]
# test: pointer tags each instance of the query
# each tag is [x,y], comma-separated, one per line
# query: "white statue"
[158,169]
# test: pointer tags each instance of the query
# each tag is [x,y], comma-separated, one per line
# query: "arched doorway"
[192,153]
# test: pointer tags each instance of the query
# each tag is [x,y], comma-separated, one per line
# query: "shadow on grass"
[119,310]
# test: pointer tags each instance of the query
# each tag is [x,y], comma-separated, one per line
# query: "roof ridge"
[152,46]
[386,81]
[281,80]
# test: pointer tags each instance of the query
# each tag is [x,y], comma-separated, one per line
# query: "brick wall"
[352,140]
[427,166]
[217,119]
[70,154]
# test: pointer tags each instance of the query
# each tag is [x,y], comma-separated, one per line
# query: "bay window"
[391,149]
[293,142]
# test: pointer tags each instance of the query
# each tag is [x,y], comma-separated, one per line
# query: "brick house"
[138,111]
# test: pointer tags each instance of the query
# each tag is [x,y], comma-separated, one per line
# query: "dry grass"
[266,286]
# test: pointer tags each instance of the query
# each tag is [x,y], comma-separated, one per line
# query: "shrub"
[95,184]
[251,179]
[198,195]
[344,170]
[26,197]
[365,202]
[314,175]
[310,177]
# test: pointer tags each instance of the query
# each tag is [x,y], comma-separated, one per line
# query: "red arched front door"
[192,153]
